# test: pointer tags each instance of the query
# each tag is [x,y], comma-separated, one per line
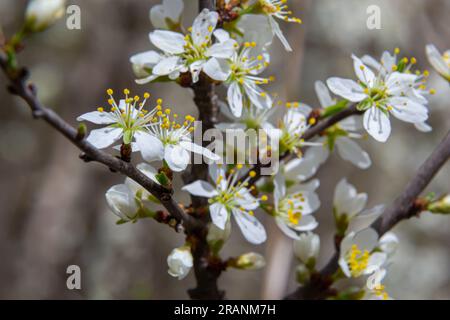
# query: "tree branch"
[18,86]
[402,208]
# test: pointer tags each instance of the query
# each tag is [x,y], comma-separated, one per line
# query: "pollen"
[357,260]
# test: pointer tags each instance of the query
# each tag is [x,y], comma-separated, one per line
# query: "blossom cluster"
[237,56]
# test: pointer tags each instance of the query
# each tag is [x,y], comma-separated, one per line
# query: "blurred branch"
[19,86]
[404,207]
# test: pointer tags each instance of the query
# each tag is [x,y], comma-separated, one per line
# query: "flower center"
[357,260]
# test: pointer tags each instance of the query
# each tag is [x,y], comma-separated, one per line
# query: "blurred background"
[52,207]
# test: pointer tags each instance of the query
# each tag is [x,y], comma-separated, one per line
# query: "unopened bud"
[441,206]
[41,14]
[250,261]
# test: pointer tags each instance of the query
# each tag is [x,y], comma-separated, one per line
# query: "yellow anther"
[252,174]
[146,95]
[111,101]
[394,68]
[100,109]
[126,91]
[397,51]
[109,92]
[239,166]
[167,111]
[432,91]
[136,98]
[312,121]
[264,198]
[159,102]
[413,60]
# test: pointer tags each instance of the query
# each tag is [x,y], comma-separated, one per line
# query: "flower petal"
[167,66]
[177,157]
[349,150]
[348,89]
[323,94]
[168,41]
[151,148]
[104,137]
[217,69]
[121,201]
[219,215]
[201,188]
[97,117]
[250,227]
[203,26]
[377,124]
[364,74]
[277,31]
[407,110]
[235,99]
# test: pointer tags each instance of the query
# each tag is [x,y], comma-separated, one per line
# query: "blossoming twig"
[19,86]
[404,207]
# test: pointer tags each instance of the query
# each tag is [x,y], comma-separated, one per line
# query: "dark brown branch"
[404,207]
[18,86]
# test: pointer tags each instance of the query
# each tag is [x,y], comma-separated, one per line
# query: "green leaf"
[332,110]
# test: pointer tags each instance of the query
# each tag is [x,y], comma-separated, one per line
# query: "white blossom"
[123,199]
[293,211]
[170,141]
[128,120]
[228,196]
[342,134]
[349,203]
[375,289]
[41,14]
[380,96]
[167,15]
[180,262]
[184,53]
[278,9]
[357,255]
[307,247]
[441,63]
[241,74]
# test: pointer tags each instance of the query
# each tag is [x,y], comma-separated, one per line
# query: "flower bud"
[180,262]
[41,14]
[250,261]
[121,201]
[306,248]
[441,206]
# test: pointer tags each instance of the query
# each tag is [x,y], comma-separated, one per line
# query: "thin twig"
[402,208]
[19,86]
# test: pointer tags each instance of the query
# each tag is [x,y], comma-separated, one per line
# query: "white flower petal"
[203,26]
[104,137]
[423,127]
[151,148]
[436,60]
[377,124]
[407,110]
[97,117]
[217,173]
[177,157]
[366,239]
[219,215]
[217,69]
[168,41]
[167,66]
[287,230]
[347,89]
[349,150]
[235,99]
[121,201]
[364,74]
[257,96]
[277,31]
[323,94]
[250,227]
[222,50]
[201,188]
